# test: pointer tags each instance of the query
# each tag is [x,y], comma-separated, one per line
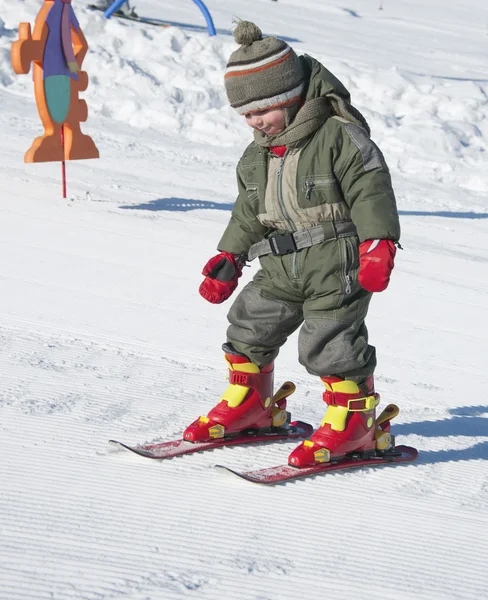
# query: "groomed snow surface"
[103,334]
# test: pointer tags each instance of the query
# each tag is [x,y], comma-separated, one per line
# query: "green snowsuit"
[336,179]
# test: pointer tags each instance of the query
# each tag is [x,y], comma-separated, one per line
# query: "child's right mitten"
[221,275]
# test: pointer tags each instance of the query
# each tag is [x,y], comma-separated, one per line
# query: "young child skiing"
[316,205]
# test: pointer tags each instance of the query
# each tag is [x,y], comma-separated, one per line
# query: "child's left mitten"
[376,262]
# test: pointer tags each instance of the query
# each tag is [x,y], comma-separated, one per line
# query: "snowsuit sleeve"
[243,229]
[366,186]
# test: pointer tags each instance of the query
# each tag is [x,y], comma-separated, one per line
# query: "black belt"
[285,243]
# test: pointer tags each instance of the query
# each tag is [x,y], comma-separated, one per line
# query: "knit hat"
[263,73]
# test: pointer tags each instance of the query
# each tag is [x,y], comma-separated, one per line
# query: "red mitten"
[376,261]
[221,275]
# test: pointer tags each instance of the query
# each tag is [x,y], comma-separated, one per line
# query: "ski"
[283,473]
[295,430]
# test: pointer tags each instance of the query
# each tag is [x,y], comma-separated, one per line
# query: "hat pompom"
[246,33]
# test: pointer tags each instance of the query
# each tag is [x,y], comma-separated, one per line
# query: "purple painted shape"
[68,51]
[54,60]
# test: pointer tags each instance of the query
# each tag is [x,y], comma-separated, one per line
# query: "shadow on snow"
[466,421]
[477,452]
[179,205]
[443,213]
[184,205]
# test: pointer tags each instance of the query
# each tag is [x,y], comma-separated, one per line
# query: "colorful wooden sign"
[57,49]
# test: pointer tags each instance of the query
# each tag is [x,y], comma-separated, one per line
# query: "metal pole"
[208,18]
[113,8]
[63,164]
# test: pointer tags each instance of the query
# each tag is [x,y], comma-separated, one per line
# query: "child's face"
[269,121]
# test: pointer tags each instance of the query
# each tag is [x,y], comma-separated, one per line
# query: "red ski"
[283,473]
[295,430]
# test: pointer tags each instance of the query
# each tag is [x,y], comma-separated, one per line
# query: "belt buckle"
[283,243]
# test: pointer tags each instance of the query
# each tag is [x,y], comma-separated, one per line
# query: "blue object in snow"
[114,7]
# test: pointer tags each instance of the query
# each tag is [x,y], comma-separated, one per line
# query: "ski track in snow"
[103,334]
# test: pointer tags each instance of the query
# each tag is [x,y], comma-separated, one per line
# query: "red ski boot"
[247,403]
[349,424]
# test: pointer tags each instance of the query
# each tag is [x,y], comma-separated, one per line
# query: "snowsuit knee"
[328,303]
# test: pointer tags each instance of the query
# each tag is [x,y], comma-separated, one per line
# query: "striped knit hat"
[263,72]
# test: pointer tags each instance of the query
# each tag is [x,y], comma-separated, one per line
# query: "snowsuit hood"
[325,96]
[323,84]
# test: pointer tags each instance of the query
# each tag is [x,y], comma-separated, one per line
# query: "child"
[316,205]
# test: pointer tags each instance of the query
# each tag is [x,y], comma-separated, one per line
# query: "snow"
[103,334]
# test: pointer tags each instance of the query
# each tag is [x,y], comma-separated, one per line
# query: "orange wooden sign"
[57,49]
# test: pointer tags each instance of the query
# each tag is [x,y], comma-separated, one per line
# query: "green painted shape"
[57,90]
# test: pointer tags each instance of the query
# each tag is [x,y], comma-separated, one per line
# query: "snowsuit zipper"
[285,212]
[347,264]
[309,185]
[280,193]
